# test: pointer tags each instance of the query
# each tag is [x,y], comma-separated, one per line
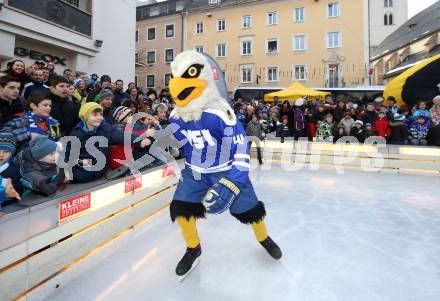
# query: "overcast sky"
[415,6]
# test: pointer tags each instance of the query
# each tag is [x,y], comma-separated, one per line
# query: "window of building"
[169,55]
[333,10]
[169,31]
[388,3]
[151,81]
[213,1]
[151,57]
[166,79]
[199,49]
[171,6]
[300,72]
[199,27]
[246,47]
[136,80]
[272,45]
[136,57]
[272,18]
[137,36]
[334,39]
[221,25]
[388,19]
[246,74]
[151,33]
[299,42]
[299,14]
[145,12]
[272,74]
[246,21]
[221,50]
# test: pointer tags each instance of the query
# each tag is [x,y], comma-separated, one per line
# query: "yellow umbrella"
[294,91]
[420,82]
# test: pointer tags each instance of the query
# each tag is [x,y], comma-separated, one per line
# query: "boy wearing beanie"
[105,100]
[92,124]
[38,167]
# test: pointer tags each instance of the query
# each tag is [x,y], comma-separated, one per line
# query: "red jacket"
[117,153]
[381,127]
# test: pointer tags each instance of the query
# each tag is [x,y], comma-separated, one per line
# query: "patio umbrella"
[294,91]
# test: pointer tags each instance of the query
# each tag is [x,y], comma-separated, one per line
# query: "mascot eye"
[193,71]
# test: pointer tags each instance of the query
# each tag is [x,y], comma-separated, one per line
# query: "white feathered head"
[193,88]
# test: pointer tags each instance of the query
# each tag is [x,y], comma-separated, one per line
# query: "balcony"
[58,12]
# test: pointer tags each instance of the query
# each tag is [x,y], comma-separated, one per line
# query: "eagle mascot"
[217,160]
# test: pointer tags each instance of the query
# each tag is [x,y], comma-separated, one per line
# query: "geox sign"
[39,56]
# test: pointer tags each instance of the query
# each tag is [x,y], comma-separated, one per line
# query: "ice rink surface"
[357,236]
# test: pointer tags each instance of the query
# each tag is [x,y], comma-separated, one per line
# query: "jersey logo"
[239,139]
[197,139]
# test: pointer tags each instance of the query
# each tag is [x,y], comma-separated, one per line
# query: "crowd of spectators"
[38,107]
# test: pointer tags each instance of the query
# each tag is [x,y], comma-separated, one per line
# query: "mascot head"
[193,85]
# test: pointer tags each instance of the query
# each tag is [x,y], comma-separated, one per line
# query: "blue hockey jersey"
[215,143]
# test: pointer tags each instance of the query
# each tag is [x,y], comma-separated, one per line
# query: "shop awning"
[419,82]
[294,91]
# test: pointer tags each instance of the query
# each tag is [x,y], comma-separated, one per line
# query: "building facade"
[159,35]
[272,43]
[386,16]
[416,40]
[78,34]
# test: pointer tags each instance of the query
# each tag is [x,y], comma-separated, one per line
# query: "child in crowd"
[36,122]
[8,169]
[92,124]
[369,115]
[325,128]
[381,125]
[283,129]
[358,131]
[392,108]
[369,132]
[399,130]
[421,110]
[299,119]
[419,131]
[435,111]
[38,167]
[254,130]
[347,123]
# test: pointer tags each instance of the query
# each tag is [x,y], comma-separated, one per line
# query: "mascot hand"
[221,196]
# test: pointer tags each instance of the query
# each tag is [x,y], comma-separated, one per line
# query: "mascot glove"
[220,196]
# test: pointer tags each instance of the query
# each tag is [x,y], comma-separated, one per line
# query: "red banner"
[74,207]
[133,184]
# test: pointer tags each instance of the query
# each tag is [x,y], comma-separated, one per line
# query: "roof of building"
[424,23]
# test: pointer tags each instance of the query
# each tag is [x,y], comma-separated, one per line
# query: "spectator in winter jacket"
[392,108]
[319,114]
[369,115]
[38,167]
[339,111]
[369,130]
[283,129]
[435,111]
[254,130]
[92,124]
[16,69]
[418,131]
[119,93]
[11,105]
[378,103]
[241,117]
[325,129]
[421,110]
[8,169]
[347,123]
[63,109]
[358,131]
[399,130]
[80,93]
[37,84]
[36,122]
[381,125]
[160,112]
[105,100]
[105,83]
[299,119]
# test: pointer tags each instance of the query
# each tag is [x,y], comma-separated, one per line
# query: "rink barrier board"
[395,158]
[19,261]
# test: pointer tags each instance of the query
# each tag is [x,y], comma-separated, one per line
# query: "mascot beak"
[183,90]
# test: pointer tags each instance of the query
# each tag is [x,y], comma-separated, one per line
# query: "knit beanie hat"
[87,109]
[359,121]
[77,82]
[103,94]
[42,146]
[7,142]
[120,113]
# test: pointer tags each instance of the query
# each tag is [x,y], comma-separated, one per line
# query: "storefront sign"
[133,184]
[39,56]
[74,207]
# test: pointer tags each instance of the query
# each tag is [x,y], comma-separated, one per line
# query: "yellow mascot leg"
[260,230]
[189,231]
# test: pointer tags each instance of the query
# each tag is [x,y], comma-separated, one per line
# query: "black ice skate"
[271,248]
[188,262]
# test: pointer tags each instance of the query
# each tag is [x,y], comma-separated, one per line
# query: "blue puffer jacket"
[111,133]
[418,131]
